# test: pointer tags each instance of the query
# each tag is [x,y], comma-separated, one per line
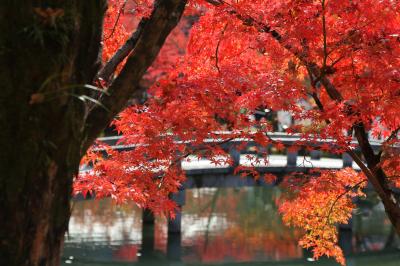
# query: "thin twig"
[393,135]
[324,35]
[116,21]
[340,196]
[217,49]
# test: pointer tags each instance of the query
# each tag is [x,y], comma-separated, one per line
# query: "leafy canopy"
[333,64]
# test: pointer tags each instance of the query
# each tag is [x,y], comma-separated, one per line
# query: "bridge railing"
[285,138]
[201,173]
[291,161]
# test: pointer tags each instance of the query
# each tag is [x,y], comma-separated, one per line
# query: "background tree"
[339,57]
[51,112]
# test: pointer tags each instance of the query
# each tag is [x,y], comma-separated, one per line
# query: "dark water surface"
[219,227]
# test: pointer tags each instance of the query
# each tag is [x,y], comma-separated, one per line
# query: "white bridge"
[292,161]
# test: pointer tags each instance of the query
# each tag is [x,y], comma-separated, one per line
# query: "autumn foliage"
[319,204]
[333,64]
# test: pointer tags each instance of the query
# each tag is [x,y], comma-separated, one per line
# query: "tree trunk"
[378,178]
[48,51]
[35,208]
[42,72]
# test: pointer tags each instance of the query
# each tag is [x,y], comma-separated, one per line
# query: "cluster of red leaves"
[319,204]
[126,178]
[121,18]
[390,161]
[114,33]
[231,66]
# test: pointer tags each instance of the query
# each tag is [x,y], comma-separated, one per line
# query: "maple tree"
[341,58]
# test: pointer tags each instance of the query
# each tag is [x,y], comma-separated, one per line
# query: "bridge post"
[174,225]
[345,237]
[147,217]
[347,160]
[292,158]
[315,154]
[174,245]
[147,247]
[235,156]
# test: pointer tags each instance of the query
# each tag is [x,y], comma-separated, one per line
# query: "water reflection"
[218,226]
[238,225]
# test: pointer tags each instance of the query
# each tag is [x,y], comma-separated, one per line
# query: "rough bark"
[46,57]
[42,70]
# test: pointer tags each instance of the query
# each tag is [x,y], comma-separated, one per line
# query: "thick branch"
[393,135]
[153,33]
[112,64]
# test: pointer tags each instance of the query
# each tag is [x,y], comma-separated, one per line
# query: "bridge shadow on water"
[219,226]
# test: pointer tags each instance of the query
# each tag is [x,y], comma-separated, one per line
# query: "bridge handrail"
[276,136]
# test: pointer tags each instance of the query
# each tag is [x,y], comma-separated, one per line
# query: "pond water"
[221,226]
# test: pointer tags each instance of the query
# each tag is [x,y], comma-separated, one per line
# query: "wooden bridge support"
[347,160]
[174,245]
[235,156]
[346,237]
[147,248]
[175,225]
[148,217]
[292,158]
[315,154]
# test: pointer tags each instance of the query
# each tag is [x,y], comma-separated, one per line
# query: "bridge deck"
[274,162]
